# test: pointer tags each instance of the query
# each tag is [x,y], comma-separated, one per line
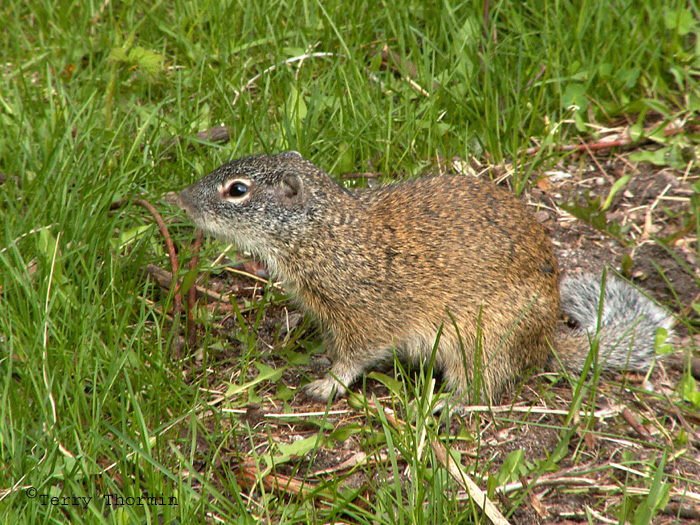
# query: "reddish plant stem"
[170,247]
[191,329]
[175,290]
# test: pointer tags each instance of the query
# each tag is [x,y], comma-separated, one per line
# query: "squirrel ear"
[290,154]
[291,189]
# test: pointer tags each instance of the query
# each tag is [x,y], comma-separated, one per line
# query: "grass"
[95,401]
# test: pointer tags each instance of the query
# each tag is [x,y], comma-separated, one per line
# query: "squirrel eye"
[237,190]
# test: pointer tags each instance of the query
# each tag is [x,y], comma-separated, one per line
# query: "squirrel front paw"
[324,389]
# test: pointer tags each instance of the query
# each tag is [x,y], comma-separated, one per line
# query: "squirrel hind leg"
[469,382]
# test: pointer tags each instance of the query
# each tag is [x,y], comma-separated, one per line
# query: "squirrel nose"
[184,199]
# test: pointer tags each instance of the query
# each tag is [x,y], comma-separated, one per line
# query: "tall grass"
[91,95]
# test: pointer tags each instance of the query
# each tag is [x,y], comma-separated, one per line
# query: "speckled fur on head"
[284,201]
[380,269]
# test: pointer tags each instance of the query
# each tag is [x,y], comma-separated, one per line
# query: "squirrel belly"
[385,271]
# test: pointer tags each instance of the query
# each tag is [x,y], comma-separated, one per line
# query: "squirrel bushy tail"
[628,324]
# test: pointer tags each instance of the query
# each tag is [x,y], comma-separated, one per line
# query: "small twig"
[275,66]
[687,513]
[592,146]
[217,135]
[475,493]
[537,76]
[545,482]
[99,14]
[608,144]
[30,232]
[687,170]
[534,500]
[165,279]
[680,365]
[411,74]
[358,458]
[648,216]
[598,414]
[278,482]
[593,158]
[628,416]
[599,517]
[695,436]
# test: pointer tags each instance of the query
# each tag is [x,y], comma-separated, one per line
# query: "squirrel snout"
[186,201]
[182,202]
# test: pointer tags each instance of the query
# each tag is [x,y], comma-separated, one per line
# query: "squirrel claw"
[324,389]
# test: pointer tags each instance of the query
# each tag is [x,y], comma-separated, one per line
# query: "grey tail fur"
[628,324]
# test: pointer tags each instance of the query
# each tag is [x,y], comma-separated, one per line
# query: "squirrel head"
[265,204]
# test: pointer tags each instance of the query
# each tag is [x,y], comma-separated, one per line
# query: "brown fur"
[382,270]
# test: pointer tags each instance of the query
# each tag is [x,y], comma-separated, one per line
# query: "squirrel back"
[385,271]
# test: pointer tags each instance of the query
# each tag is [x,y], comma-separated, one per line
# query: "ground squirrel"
[383,270]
